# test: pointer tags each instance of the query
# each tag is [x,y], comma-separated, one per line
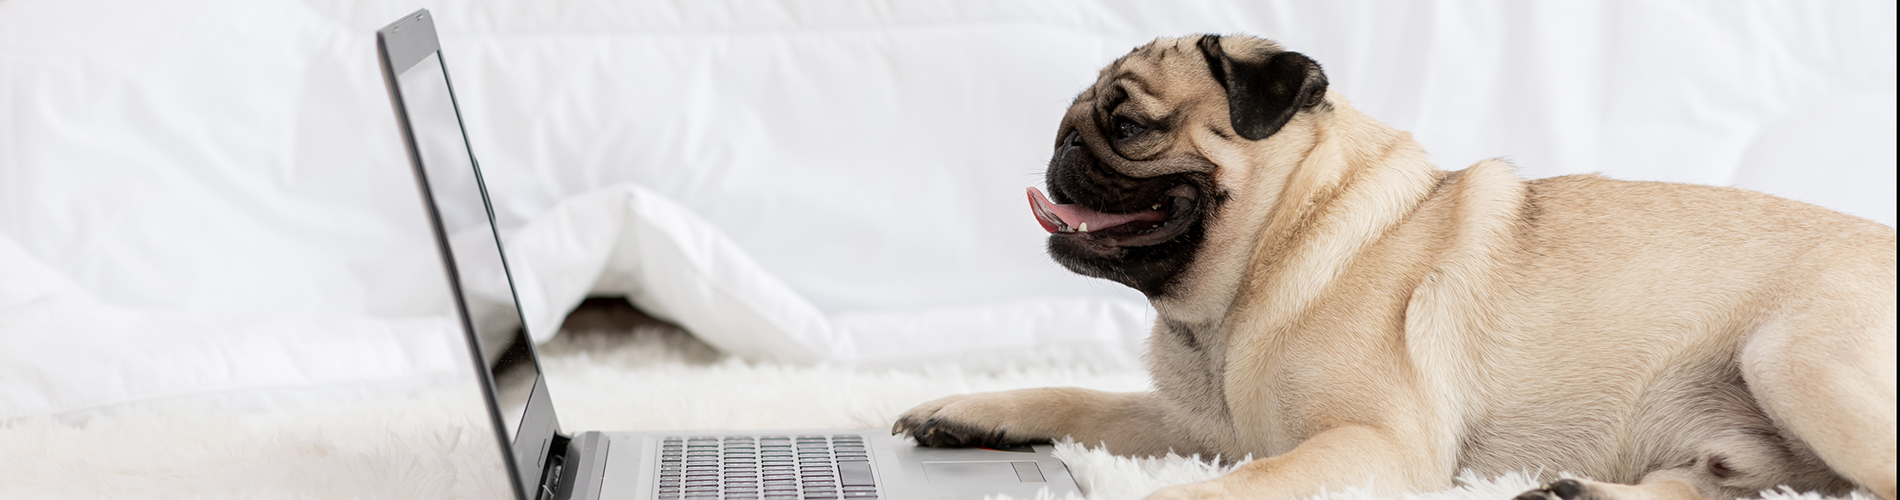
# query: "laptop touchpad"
[983,472]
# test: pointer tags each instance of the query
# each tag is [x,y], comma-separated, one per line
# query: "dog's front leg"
[1350,456]
[1129,423]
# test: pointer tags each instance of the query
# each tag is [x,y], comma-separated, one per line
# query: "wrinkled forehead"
[1166,69]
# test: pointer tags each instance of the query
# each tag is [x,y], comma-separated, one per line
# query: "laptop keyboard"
[765,467]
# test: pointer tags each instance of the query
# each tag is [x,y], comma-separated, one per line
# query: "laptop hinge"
[577,473]
[553,468]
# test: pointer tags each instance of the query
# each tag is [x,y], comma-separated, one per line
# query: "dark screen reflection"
[473,244]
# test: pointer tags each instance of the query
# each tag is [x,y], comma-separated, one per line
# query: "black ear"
[1262,95]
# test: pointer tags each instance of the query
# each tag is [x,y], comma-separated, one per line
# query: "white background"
[238,160]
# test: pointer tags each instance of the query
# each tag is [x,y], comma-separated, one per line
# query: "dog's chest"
[1188,363]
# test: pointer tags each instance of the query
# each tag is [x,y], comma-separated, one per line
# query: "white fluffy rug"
[423,439]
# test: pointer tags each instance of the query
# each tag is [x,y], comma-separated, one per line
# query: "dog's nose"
[1069,143]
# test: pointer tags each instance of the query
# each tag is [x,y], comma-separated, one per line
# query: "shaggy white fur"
[424,438]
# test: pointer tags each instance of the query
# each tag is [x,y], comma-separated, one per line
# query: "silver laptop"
[545,463]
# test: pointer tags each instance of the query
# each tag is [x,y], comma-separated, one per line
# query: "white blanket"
[629,241]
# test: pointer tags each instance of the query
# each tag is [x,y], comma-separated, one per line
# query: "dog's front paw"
[991,420]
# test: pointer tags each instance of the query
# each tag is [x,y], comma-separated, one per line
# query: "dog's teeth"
[1156,207]
[1084,228]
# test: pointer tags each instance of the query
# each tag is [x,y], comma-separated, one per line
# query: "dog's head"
[1148,156]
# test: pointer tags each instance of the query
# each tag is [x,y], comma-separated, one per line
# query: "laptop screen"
[478,273]
[461,200]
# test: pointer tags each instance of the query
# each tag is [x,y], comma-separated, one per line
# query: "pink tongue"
[1072,217]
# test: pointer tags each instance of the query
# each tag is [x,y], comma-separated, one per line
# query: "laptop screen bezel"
[401,46]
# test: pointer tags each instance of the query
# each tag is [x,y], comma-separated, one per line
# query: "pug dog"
[1350,315]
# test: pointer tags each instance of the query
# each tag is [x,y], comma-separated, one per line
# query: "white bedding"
[210,198]
[429,442]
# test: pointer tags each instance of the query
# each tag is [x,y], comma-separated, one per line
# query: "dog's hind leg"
[1822,367]
[1732,463]
[1668,484]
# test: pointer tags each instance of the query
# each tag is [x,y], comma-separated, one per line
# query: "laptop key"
[855,473]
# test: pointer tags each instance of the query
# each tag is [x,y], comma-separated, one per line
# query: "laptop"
[542,461]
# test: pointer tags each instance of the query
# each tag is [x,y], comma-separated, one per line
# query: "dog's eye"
[1125,129]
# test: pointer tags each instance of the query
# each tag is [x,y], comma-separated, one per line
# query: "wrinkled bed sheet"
[211,198]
